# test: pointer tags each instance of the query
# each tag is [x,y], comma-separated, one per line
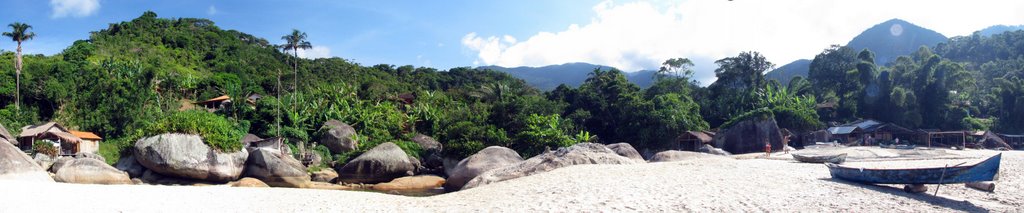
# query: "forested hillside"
[131,79]
[134,78]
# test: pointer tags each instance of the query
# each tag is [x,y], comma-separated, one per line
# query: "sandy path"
[702,185]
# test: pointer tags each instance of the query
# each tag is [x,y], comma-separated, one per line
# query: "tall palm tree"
[293,42]
[19,33]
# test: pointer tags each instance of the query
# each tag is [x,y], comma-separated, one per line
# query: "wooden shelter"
[66,143]
[90,141]
[214,104]
[692,140]
[1016,141]
[944,138]
[871,132]
[31,134]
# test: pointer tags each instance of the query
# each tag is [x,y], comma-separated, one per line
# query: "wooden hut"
[692,140]
[90,141]
[1016,141]
[214,104]
[871,132]
[31,134]
[66,143]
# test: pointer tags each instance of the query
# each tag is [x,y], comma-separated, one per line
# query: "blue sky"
[420,33]
[631,35]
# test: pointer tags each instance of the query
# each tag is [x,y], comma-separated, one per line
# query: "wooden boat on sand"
[836,159]
[982,171]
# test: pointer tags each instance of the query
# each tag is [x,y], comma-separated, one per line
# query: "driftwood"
[915,188]
[982,186]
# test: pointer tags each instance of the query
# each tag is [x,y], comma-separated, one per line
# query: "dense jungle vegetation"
[132,79]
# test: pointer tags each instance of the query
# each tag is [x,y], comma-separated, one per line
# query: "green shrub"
[218,132]
[545,131]
[45,148]
[762,113]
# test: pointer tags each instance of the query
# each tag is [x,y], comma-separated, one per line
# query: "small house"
[693,140]
[30,134]
[214,104]
[871,132]
[90,141]
[1015,141]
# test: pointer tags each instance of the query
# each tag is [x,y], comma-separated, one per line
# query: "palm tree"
[293,42]
[19,33]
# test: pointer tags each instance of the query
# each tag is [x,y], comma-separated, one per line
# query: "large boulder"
[45,161]
[276,169]
[325,175]
[90,155]
[750,135]
[91,171]
[411,183]
[625,150]
[186,156]
[676,155]
[16,165]
[487,159]
[382,163]
[432,161]
[707,148]
[427,143]
[584,153]
[130,165]
[248,182]
[338,136]
[59,163]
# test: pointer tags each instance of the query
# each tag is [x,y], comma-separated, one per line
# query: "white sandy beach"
[715,185]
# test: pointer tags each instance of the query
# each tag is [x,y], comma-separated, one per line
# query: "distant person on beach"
[767,150]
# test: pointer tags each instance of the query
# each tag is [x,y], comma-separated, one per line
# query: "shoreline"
[696,185]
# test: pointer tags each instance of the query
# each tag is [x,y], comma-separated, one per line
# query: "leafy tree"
[19,33]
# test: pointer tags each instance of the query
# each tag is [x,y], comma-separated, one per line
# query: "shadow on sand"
[926,197]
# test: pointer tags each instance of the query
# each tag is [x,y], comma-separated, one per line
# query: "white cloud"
[74,8]
[313,53]
[640,35]
[211,11]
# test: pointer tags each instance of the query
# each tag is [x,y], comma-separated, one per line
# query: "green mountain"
[786,72]
[998,29]
[888,40]
[571,74]
[894,38]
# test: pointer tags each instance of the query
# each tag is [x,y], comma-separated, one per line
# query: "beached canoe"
[898,146]
[836,159]
[983,171]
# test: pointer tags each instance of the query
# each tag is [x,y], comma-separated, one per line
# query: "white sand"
[707,185]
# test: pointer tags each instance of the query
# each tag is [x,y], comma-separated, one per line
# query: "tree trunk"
[17,70]
[278,120]
[295,75]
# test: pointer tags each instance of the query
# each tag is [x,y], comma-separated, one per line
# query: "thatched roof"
[63,136]
[5,134]
[33,131]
